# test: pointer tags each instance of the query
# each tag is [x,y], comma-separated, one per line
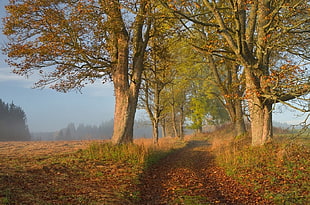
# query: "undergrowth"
[279,171]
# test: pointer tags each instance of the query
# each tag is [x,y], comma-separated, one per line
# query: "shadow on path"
[189,176]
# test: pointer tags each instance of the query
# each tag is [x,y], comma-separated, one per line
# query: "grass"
[108,174]
[140,152]
[131,153]
[191,200]
[99,174]
[279,171]
[138,156]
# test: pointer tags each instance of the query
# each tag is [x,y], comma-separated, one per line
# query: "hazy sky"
[48,110]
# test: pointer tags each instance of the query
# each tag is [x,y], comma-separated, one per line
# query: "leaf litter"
[57,174]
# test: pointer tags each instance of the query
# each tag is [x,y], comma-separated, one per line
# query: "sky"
[48,110]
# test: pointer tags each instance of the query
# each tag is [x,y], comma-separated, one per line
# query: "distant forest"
[13,126]
[102,131]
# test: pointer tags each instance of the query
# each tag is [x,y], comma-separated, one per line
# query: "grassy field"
[99,173]
[96,173]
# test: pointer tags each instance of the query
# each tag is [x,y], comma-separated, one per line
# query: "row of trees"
[13,126]
[103,131]
[82,131]
[142,129]
[200,60]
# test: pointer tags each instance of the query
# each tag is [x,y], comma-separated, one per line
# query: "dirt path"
[190,176]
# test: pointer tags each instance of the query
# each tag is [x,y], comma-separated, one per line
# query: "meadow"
[175,172]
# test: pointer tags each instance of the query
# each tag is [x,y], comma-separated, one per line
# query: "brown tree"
[259,33]
[72,43]
[157,75]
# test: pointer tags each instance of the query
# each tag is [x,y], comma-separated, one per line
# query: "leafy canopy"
[65,41]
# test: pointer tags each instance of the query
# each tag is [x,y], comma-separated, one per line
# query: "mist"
[72,131]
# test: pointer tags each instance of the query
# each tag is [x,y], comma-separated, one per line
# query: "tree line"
[197,61]
[13,123]
[104,130]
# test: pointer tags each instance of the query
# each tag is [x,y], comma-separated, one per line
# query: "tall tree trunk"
[261,122]
[126,99]
[239,122]
[126,90]
[260,111]
[124,116]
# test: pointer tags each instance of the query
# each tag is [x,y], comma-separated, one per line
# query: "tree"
[225,74]
[13,123]
[159,71]
[194,77]
[156,77]
[259,34]
[72,43]
[231,87]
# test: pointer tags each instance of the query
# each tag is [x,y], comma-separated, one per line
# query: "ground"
[190,176]
[55,173]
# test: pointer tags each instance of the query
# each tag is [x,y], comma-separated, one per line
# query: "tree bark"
[163,127]
[260,110]
[126,99]
[124,116]
[155,132]
[261,122]
[174,123]
[126,90]
[181,124]
[239,121]
[125,96]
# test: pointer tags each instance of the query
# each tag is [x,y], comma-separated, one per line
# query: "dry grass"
[163,143]
[279,171]
[75,172]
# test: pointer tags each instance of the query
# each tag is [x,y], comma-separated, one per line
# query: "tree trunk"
[124,115]
[163,127]
[174,123]
[126,99]
[155,132]
[181,123]
[260,111]
[239,121]
[261,123]
[126,92]
[229,88]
